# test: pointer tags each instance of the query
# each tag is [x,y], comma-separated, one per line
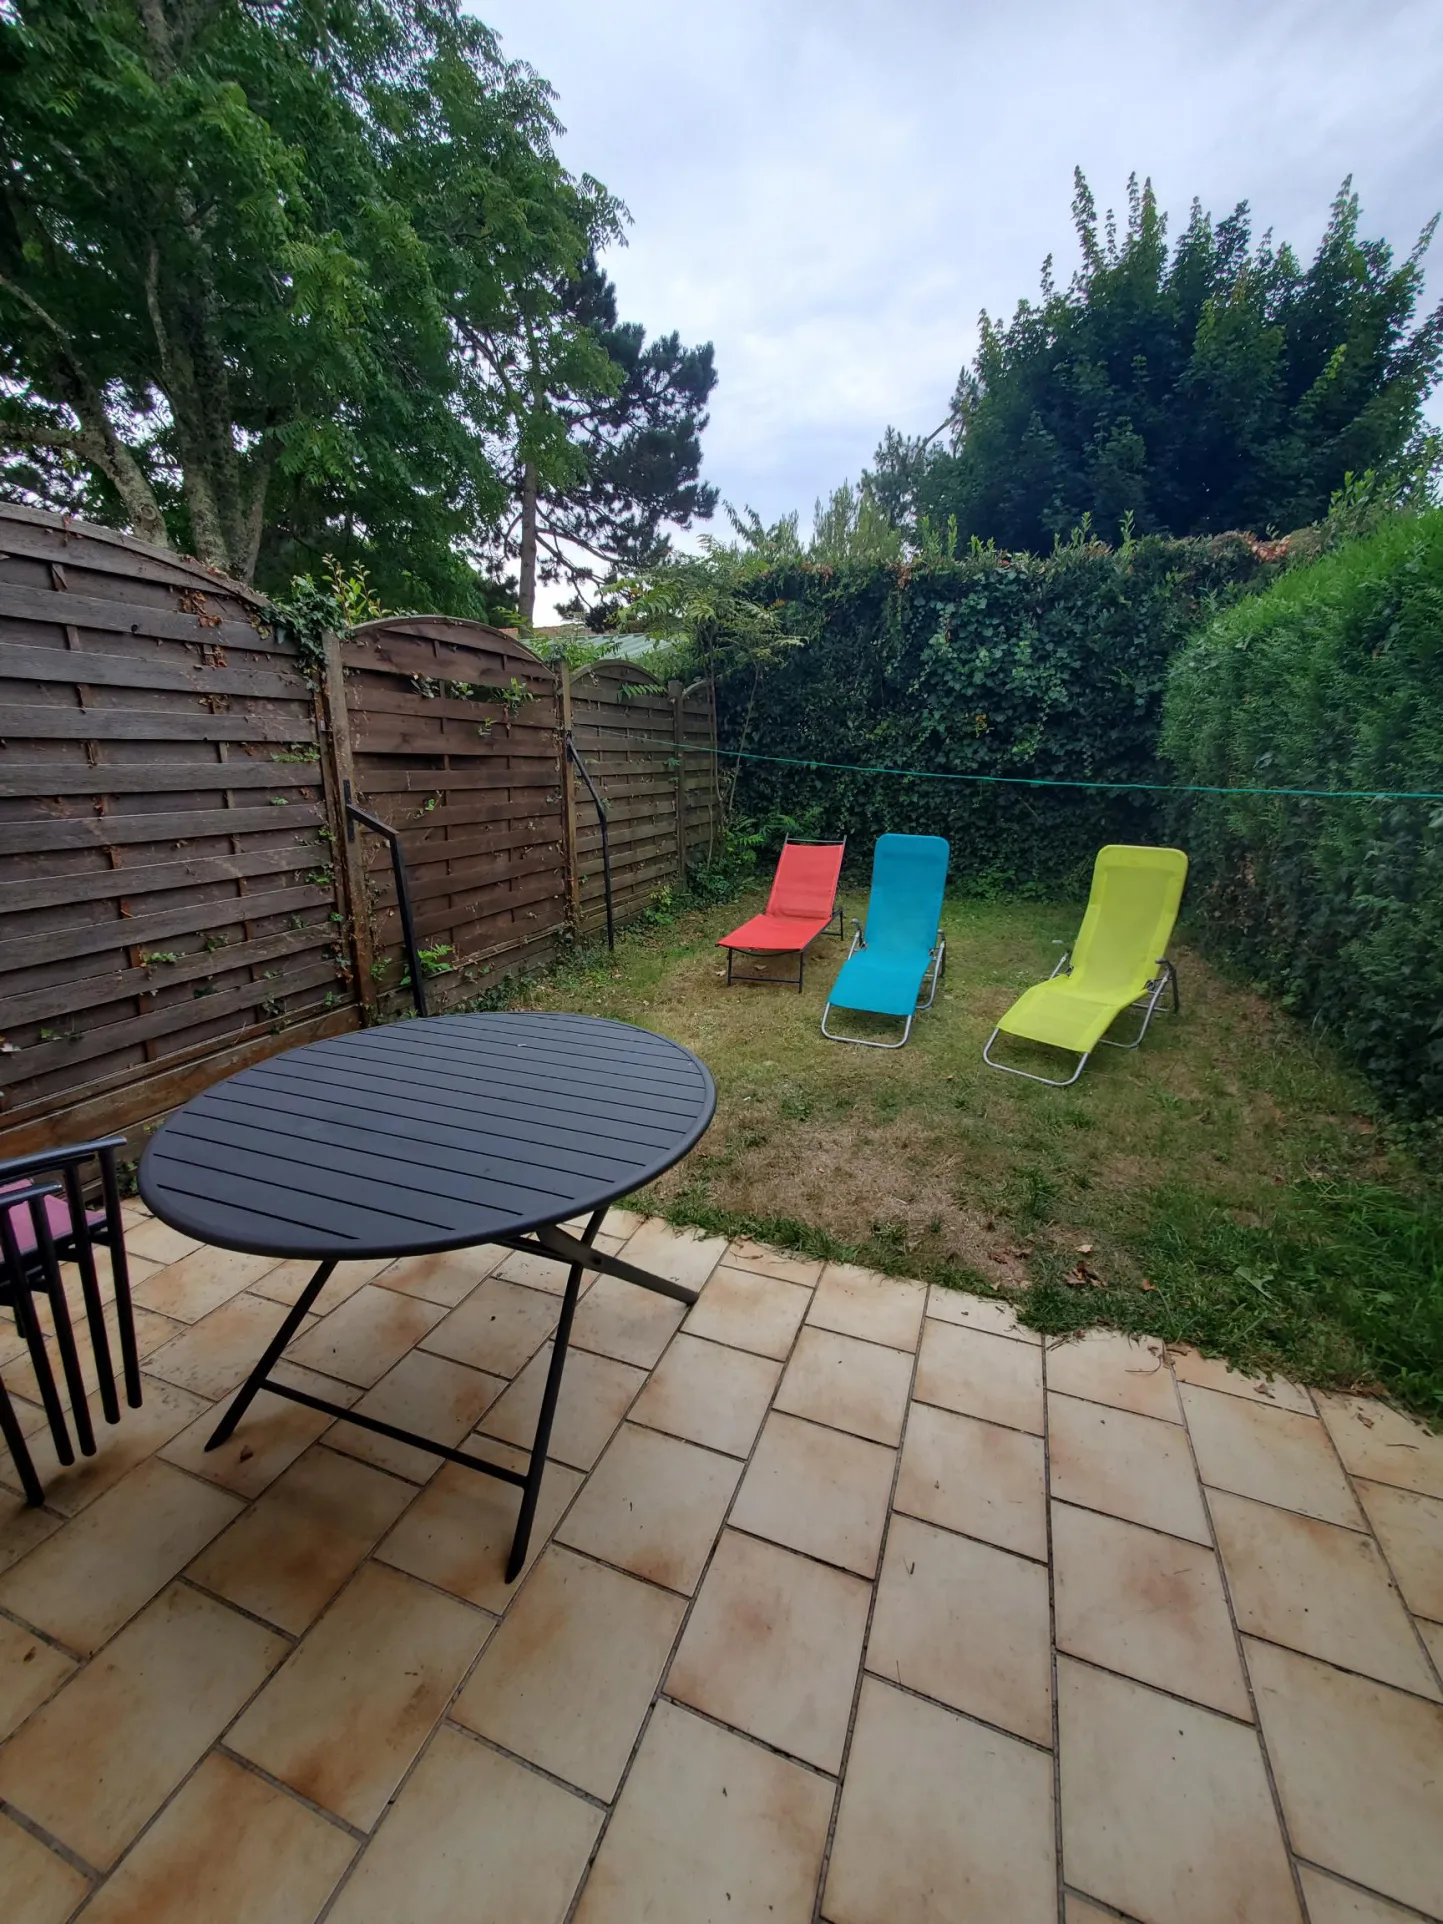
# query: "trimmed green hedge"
[995,664]
[1331,679]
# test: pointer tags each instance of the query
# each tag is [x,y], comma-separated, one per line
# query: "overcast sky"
[830,190]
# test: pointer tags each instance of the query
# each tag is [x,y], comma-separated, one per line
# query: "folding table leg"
[255,1382]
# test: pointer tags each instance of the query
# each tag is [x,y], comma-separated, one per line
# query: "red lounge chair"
[802,904]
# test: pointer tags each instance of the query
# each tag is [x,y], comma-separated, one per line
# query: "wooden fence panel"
[168,906]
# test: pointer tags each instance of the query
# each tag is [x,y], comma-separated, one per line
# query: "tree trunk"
[526,595]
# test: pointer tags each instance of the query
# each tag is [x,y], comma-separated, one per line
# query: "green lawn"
[1226,1185]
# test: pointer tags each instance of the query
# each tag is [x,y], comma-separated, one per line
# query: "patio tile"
[1276,1456]
[861,1302]
[1147,1605]
[39,1887]
[766,1261]
[940,1819]
[622,1222]
[284,1283]
[681,1255]
[1359,1768]
[139,1717]
[1125,1372]
[595,1394]
[1166,1811]
[818,1491]
[847,1384]
[82,1584]
[569,1677]
[975,1477]
[1330,1902]
[709,1826]
[231,1849]
[21,1528]
[1432,1635]
[369,1333]
[624,1321]
[446,1277]
[1410,1529]
[30,1671]
[1128,1466]
[979,1375]
[156,1241]
[215,1355]
[119,1447]
[653,1505]
[977,1312]
[428,1394]
[150,1332]
[201,1282]
[270,1436]
[457,1534]
[772,1648]
[288,1555]
[534,1271]
[708,1394]
[343,1719]
[498,1328]
[472,1836]
[1317,1588]
[1384,1445]
[749,1311]
[1078,1911]
[966,1624]
[1212,1373]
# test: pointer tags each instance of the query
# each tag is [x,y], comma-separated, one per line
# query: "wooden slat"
[21,663]
[30,777]
[176,826]
[122,884]
[59,723]
[91,938]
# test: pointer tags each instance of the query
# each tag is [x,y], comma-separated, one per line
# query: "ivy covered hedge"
[1331,679]
[994,664]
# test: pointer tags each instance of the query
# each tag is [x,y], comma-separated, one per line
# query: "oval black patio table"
[432,1135]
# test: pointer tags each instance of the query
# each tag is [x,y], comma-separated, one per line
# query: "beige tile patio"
[861,1302]
[743,1253]
[1273,1455]
[595,1394]
[39,1886]
[1129,1466]
[429,1395]
[818,1491]
[772,1648]
[457,1534]
[622,1222]
[1318,1588]
[21,1528]
[1410,1529]
[653,1505]
[150,1332]
[1432,1635]
[268,1439]
[1212,1373]
[200,1282]
[30,1671]
[847,1384]
[119,1447]
[1166,1811]
[1384,1445]
[139,1716]
[284,1283]
[231,1849]
[1359,1768]
[568,1678]
[977,1312]
[215,1355]
[81,1585]
[1147,1605]
[749,1311]
[709,1826]
[472,1836]
[940,1818]
[498,1328]
[367,1335]
[1077,1910]
[447,1277]
[980,1375]
[288,1555]
[708,1394]
[681,1255]
[1330,1902]
[966,1624]
[536,1271]
[346,1715]
[157,1242]
[979,1478]
[1126,1372]
[624,1321]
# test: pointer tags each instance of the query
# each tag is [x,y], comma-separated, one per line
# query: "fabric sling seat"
[890,958]
[1118,962]
[802,904]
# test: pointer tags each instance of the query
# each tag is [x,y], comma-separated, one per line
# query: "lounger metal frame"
[939,966]
[1147,1003]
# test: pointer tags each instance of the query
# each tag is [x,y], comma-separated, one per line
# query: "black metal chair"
[44,1223]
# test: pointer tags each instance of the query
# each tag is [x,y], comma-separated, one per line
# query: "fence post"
[678,730]
[346,853]
[568,810]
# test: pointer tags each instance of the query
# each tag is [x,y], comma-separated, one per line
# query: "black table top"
[427,1135]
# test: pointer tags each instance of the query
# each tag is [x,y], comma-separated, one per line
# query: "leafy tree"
[243,247]
[1217,384]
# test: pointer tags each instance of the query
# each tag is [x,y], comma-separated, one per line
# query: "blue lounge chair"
[889,959]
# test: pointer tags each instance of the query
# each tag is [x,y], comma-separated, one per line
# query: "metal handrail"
[403,889]
[600,805]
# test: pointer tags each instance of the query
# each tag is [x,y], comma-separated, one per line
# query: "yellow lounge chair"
[1118,961]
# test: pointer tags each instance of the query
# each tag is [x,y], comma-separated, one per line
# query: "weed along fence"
[179,895]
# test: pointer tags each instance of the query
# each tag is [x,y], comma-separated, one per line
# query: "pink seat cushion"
[57,1212]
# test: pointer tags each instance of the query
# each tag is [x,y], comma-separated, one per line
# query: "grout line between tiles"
[1047,1502]
[51,1842]
[220,1748]
[1364,1890]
